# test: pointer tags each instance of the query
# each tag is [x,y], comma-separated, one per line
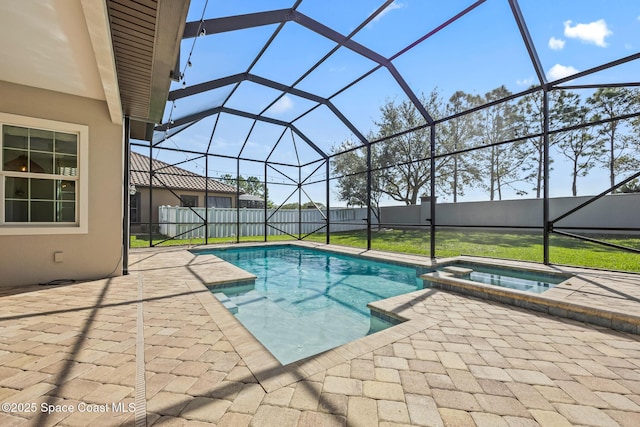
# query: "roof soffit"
[146,38]
[47,45]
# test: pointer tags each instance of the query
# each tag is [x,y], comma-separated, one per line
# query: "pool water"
[306,301]
[529,281]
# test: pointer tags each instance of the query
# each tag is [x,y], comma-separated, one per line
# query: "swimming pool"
[306,301]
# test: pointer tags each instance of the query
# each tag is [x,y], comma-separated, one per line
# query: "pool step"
[457,271]
[228,304]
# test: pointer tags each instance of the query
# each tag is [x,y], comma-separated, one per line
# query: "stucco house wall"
[29,259]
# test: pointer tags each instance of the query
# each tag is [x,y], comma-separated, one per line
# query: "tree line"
[254,186]
[495,149]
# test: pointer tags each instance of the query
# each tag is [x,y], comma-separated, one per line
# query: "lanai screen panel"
[436,46]
[326,130]
[284,85]
[573,36]
[292,150]
[339,70]
[417,20]
[290,51]
[481,54]
[289,107]
[187,109]
[253,98]
[342,17]
[374,91]
[219,55]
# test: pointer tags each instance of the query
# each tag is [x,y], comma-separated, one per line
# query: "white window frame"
[81,226]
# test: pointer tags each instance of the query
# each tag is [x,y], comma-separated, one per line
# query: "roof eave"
[172,18]
[145,75]
[97,18]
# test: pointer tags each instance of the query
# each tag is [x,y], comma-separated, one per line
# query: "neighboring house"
[250,201]
[172,186]
[77,77]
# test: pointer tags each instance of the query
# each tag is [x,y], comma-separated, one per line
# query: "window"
[218,202]
[43,173]
[134,208]
[189,201]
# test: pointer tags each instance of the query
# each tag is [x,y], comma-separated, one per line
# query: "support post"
[545,204]
[238,200]
[126,229]
[299,201]
[266,209]
[328,189]
[206,199]
[368,197]
[150,224]
[432,186]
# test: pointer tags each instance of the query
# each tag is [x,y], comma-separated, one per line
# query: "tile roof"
[172,177]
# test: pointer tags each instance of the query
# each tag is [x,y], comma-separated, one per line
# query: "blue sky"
[480,51]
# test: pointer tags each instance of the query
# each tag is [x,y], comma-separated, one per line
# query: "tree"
[633,137]
[251,185]
[505,163]
[609,103]
[632,186]
[578,145]
[307,205]
[530,119]
[228,179]
[458,134]
[402,177]
[351,169]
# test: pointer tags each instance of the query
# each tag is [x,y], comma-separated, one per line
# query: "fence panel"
[223,222]
[619,210]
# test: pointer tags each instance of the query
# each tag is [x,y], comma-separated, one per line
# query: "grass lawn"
[523,246]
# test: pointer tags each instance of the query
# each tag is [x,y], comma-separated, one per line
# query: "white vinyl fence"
[174,221]
[619,210]
[611,211]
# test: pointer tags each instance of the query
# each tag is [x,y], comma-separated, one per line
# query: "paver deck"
[157,348]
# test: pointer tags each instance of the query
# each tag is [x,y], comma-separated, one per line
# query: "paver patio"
[156,348]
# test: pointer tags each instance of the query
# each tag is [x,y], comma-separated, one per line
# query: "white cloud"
[337,69]
[560,71]
[393,6]
[525,82]
[284,104]
[556,44]
[258,147]
[594,32]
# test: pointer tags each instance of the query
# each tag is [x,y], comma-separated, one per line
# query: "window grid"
[40,169]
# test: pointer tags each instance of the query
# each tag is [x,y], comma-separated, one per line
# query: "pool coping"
[609,318]
[272,375]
